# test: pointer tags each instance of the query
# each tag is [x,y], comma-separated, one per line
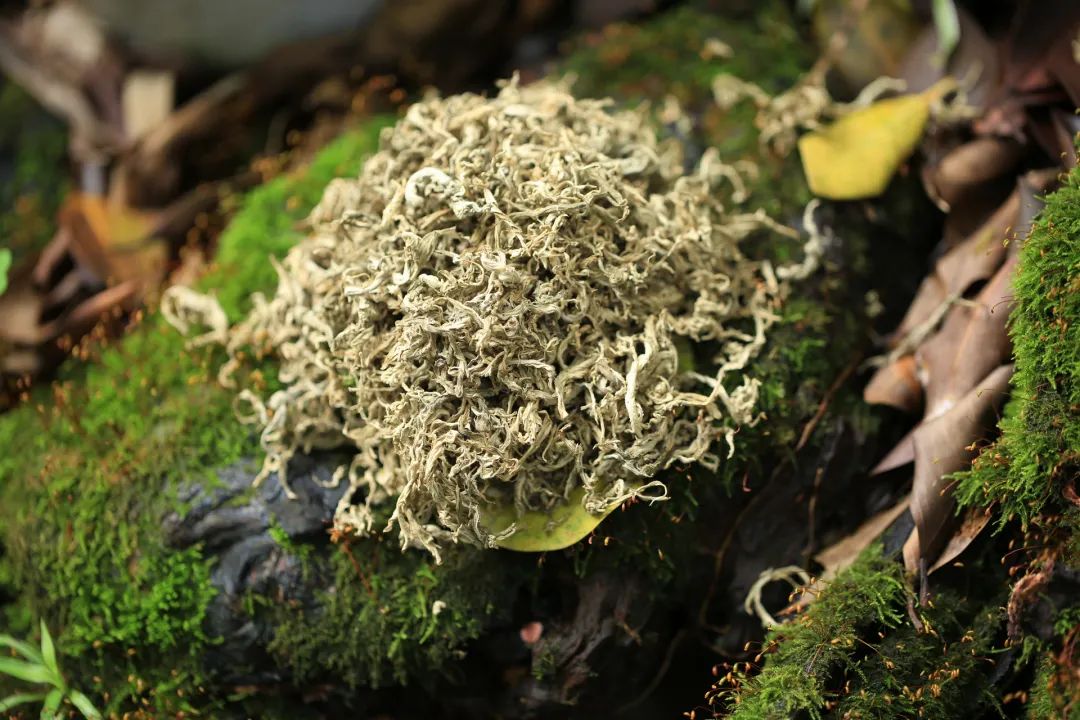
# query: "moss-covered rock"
[104,452]
[99,455]
[394,619]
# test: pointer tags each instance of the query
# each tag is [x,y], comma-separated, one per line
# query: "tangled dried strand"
[492,313]
[805,106]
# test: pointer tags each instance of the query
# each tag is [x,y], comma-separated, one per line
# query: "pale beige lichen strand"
[489,312]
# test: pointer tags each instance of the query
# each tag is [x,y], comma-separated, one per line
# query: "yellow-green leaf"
[538,531]
[5,265]
[858,155]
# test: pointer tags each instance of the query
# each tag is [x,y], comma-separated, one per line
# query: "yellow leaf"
[858,155]
[539,531]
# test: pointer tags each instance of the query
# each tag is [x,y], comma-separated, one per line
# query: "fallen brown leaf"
[944,445]
[896,385]
[902,454]
[971,342]
[975,520]
[973,260]
[1039,30]
[21,307]
[965,169]
[115,242]
[37,315]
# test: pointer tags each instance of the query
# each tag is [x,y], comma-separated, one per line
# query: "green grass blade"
[27,672]
[947,22]
[5,265]
[50,709]
[19,699]
[28,651]
[48,650]
[84,705]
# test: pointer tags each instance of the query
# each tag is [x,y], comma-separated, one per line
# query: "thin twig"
[823,406]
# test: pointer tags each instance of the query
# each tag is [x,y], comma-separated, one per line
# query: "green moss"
[99,455]
[934,674]
[394,618]
[97,475]
[1054,688]
[808,652]
[1025,471]
[544,664]
[1050,698]
[853,654]
[1039,447]
[269,219]
[80,509]
[669,56]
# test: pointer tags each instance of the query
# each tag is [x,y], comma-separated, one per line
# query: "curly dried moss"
[492,312]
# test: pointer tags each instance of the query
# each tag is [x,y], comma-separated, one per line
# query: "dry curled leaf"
[955,364]
[48,299]
[897,385]
[964,170]
[975,519]
[973,260]
[972,341]
[902,454]
[944,445]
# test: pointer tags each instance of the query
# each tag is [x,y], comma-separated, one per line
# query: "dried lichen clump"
[491,313]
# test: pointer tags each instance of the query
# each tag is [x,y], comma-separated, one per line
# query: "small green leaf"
[540,531]
[51,705]
[19,699]
[27,650]
[84,705]
[947,23]
[48,650]
[5,265]
[28,672]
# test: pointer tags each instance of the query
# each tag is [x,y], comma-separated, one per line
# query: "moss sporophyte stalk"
[492,314]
